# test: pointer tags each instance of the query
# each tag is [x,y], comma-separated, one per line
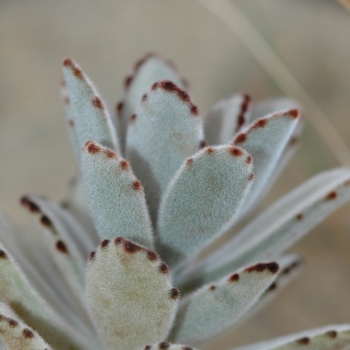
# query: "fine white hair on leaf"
[115,196]
[131,299]
[215,307]
[333,337]
[265,141]
[165,130]
[147,71]
[291,266]
[91,119]
[167,346]
[192,213]
[279,227]
[64,249]
[266,107]
[15,334]
[226,118]
[26,302]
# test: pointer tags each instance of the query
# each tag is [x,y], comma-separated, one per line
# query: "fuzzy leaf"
[68,111]
[214,308]
[33,258]
[116,198]
[202,200]
[335,337]
[16,291]
[279,227]
[166,346]
[290,267]
[130,296]
[165,130]
[265,141]
[269,106]
[226,118]
[17,335]
[147,71]
[77,205]
[90,116]
[64,250]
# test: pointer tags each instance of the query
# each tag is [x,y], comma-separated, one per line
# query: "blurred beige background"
[106,37]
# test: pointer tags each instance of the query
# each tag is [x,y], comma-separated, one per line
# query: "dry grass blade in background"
[242,27]
[345,3]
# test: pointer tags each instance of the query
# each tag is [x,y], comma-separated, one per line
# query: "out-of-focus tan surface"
[106,37]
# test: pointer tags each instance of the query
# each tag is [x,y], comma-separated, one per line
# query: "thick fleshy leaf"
[214,308]
[276,229]
[77,205]
[147,71]
[203,200]
[165,130]
[265,141]
[167,346]
[70,119]
[34,260]
[17,292]
[63,248]
[15,334]
[290,267]
[91,119]
[130,296]
[116,198]
[269,106]
[335,337]
[226,118]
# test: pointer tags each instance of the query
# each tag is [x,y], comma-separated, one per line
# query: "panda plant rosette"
[161,183]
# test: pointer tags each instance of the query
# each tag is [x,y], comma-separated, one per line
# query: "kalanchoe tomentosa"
[186,182]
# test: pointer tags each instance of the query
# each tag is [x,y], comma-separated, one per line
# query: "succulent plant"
[104,282]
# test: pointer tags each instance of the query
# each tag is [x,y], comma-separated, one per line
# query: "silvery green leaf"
[130,295]
[90,116]
[280,226]
[165,130]
[226,118]
[30,254]
[70,119]
[290,267]
[215,307]
[116,198]
[15,334]
[202,200]
[147,71]
[335,337]
[269,106]
[166,346]
[16,291]
[286,156]
[63,247]
[76,204]
[265,141]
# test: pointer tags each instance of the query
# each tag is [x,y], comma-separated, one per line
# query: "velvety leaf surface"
[215,307]
[167,346]
[116,198]
[91,119]
[63,249]
[147,71]
[165,130]
[130,295]
[265,141]
[16,335]
[280,226]
[226,118]
[203,200]
[17,292]
[335,337]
